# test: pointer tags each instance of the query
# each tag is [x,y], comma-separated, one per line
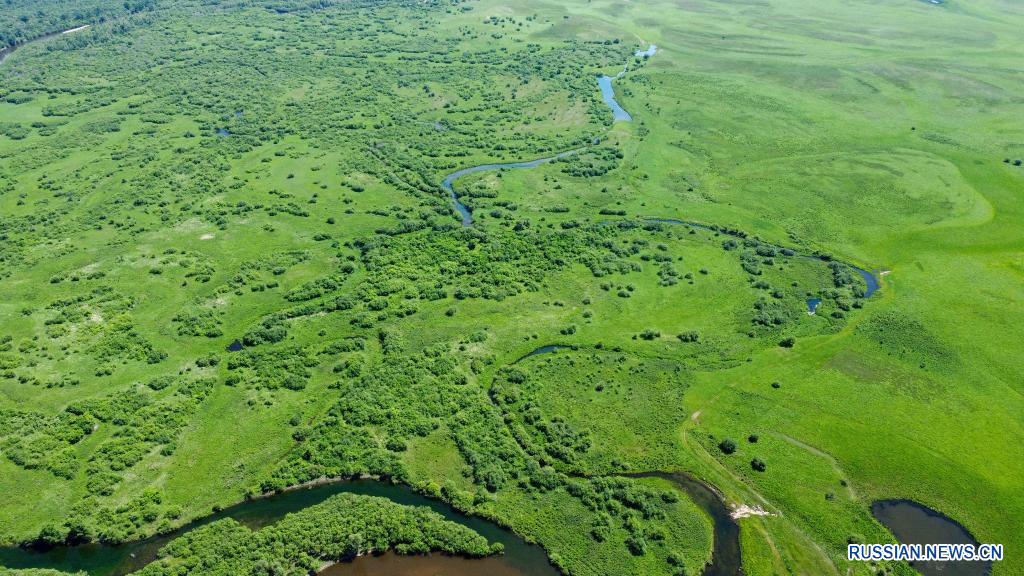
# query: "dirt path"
[822,454]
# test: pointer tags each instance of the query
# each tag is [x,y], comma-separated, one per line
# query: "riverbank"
[6,52]
[726,555]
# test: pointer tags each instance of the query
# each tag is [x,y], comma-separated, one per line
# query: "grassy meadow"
[189,174]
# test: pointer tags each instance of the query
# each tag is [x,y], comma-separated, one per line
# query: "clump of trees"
[650,334]
[141,421]
[198,322]
[272,368]
[689,336]
[594,161]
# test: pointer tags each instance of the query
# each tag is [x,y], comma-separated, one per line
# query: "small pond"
[914,523]
[651,50]
[543,350]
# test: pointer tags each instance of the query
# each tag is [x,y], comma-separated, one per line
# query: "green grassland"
[189,174]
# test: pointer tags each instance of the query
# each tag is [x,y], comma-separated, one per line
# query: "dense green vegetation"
[342,527]
[183,177]
[338,529]
[25,20]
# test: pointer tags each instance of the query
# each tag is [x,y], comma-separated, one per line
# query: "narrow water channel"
[607,94]
[449,180]
[604,82]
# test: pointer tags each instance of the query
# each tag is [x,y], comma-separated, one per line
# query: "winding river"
[520,558]
[726,559]
[391,564]
[464,211]
[608,95]
[604,82]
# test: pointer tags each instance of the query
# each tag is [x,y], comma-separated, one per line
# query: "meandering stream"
[604,82]
[870,280]
[464,211]
[607,94]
